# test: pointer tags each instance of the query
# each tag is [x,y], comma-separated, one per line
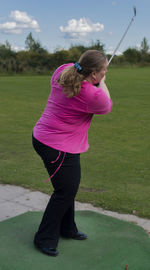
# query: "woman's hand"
[103,79]
[104,87]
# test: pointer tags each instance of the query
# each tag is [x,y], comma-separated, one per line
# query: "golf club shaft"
[121,40]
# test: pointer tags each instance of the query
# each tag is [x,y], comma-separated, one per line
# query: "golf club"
[134,8]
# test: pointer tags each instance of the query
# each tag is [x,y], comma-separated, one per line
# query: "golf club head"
[134,11]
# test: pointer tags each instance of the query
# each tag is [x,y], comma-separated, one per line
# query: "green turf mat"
[111,244]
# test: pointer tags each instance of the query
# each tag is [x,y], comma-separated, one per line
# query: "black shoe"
[79,236]
[47,250]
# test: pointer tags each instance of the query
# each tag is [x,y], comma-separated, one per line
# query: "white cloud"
[17,48]
[19,16]
[80,28]
[110,50]
[138,46]
[21,21]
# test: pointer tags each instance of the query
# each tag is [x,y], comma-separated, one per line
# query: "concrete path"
[15,200]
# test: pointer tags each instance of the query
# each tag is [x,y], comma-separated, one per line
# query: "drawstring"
[56,158]
[58,166]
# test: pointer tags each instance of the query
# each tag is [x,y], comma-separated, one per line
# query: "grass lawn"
[115,169]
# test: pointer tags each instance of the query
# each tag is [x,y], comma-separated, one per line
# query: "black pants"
[58,218]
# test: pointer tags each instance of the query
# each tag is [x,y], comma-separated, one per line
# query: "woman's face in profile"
[102,72]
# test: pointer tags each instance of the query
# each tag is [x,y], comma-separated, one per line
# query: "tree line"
[36,59]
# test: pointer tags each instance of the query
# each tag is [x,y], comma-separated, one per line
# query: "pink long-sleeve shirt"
[65,121]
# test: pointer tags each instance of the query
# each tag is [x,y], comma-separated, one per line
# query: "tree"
[144,46]
[30,42]
[5,51]
[7,45]
[132,55]
[32,45]
[97,46]
[94,46]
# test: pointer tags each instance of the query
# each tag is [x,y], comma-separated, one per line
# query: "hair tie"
[78,67]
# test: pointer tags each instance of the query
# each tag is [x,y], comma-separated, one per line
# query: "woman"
[59,137]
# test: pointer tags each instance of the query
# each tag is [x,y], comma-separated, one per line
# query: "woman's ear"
[94,76]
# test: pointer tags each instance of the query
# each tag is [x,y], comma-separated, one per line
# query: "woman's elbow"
[107,109]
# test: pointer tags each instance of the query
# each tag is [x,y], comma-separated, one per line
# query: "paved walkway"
[15,200]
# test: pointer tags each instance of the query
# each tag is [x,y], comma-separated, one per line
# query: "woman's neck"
[88,79]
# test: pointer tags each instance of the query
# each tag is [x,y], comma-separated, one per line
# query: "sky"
[58,24]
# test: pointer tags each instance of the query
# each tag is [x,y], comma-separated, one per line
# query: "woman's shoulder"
[57,72]
[88,88]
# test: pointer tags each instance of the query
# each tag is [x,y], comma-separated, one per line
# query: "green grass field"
[115,169]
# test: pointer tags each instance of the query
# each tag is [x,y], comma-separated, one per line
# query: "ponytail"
[71,80]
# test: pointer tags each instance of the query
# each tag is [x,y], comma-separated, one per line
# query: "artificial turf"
[111,245]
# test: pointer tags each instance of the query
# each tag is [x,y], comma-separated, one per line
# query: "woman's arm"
[104,87]
[99,101]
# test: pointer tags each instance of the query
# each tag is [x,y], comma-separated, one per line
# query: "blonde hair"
[71,79]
